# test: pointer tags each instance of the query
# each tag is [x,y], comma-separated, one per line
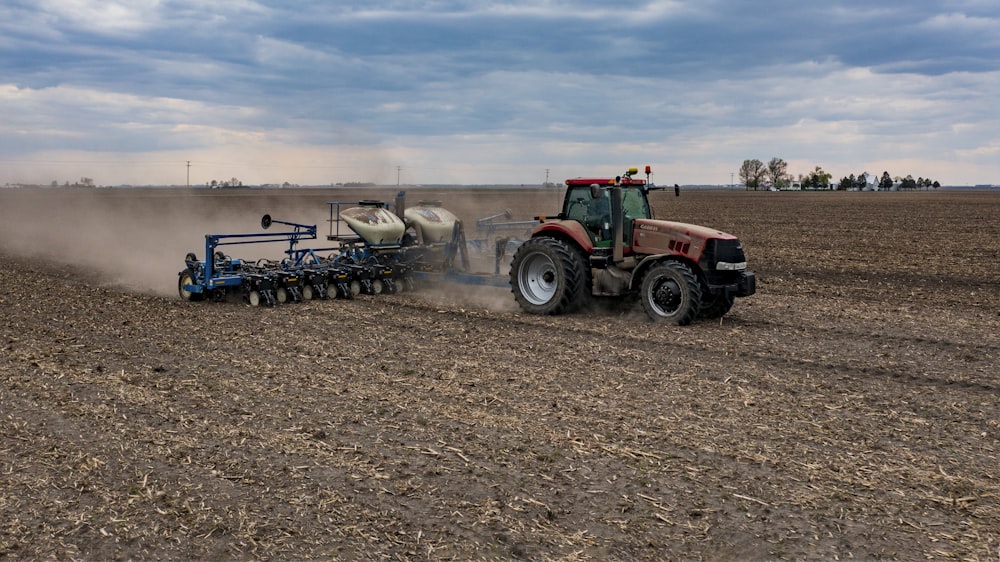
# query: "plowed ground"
[849,409]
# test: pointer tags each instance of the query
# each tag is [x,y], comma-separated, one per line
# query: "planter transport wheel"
[187,278]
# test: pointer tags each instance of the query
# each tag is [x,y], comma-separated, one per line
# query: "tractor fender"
[651,260]
[569,231]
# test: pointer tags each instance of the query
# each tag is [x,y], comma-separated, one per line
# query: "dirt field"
[849,409]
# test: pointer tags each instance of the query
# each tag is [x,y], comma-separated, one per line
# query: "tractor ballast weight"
[606,243]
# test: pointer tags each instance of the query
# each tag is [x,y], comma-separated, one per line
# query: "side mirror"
[595,191]
[265,222]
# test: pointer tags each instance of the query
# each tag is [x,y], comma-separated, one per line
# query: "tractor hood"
[652,236]
[681,228]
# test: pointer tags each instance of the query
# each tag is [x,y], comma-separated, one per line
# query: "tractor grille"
[719,250]
[725,250]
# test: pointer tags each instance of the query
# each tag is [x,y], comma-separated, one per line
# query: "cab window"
[636,206]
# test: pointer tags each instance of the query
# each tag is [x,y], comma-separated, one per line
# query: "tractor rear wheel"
[671,293]
[187,278]
[546,276]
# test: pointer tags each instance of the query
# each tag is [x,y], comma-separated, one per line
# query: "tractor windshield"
[635,203]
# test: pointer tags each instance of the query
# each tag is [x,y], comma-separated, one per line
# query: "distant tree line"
[886,182]
[82,182]
[234,182]
[754,174]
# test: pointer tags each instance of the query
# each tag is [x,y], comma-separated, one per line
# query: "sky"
[313,92]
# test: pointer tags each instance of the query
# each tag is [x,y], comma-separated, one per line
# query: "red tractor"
[606,243]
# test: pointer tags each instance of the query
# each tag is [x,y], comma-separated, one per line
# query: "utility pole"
[398,168]
[546,177]
[731,180]
[189,173]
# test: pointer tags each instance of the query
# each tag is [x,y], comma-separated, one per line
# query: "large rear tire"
[671,293]
[546,276]
[187,278]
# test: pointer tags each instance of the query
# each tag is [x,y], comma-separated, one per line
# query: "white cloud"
[962,23]
[105,16]
[549,10]
[121,121]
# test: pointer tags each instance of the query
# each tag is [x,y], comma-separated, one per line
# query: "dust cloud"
[136,239]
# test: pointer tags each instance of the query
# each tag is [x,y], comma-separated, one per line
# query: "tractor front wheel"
[671,293]
[717,305]
[546,276]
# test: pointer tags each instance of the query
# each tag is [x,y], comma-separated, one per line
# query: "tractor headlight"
[730,266]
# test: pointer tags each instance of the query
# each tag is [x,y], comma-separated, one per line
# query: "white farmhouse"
[871,182]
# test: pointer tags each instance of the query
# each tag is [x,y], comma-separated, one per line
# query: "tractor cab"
[589,202]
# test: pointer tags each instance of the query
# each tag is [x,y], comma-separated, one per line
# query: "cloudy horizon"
[489,92]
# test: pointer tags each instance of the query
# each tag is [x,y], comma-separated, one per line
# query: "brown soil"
[849,409]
